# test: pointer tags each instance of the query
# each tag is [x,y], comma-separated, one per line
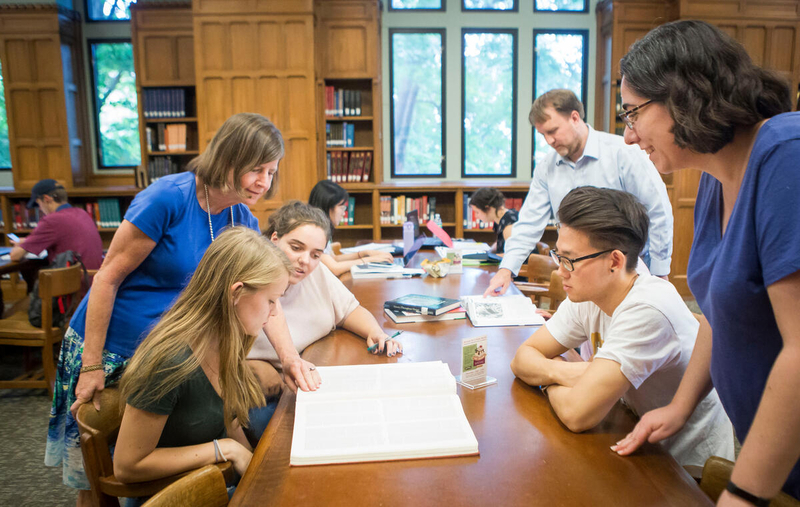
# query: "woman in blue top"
[694,99]
[166,230]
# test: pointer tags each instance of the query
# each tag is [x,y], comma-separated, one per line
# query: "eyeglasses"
[569,264]
[626,116]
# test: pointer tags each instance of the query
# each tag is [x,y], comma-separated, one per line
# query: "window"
[561,5]
[117,120]
[560,61]
[430,5]
[108,10]
[416,74]
[490,5]
[488,102]
[5,152]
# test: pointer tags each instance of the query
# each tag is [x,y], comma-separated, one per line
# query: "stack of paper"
[383,270]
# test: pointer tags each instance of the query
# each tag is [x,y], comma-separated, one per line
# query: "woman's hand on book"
[377,256]
[297,372]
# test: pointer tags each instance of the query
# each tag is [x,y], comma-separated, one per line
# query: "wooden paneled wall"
[30,49]
[258,56]
[164,46]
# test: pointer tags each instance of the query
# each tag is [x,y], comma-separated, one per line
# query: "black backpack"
[63,306]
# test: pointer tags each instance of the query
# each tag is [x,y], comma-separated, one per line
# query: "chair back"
[556,291]
[99,430]
[543,248]
[538,268]
[205,487]
[336,247]
[716,474]
[58,282]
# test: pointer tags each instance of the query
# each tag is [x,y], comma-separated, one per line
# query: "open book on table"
[501,311]
[381,412]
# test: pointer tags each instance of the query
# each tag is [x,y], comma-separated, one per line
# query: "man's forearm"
[533,368]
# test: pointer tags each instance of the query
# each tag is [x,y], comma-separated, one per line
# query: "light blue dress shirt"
[607,162]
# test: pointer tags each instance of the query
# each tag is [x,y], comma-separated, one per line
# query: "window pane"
[559,64]
[416,4]
[489,89]
[498,5]
[104,10]
[560,5]
[5,153]
[417,102]
[115,100]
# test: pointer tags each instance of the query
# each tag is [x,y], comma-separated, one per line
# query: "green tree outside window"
[417,4]
[560,5]
[5,152]
[109,10]
[116,107]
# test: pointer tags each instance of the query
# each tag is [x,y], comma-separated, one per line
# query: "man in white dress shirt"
[583,156]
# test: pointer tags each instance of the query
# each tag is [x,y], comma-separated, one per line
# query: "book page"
[381,381]
[501,311]
[374,429]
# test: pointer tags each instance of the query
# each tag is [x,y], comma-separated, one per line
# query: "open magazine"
[381,412]
[501,311]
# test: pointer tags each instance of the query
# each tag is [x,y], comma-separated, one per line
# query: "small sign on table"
[474,364]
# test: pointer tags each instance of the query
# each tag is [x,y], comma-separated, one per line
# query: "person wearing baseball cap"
[61,228]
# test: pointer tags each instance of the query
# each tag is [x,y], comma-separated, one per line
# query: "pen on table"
[375,347]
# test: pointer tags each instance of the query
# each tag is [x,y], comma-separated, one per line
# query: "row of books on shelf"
[394,209]
[341,102]
[105,212]
[349,167]
[161,166]
[164,102]
[24,218]
[166,137]
[340,135]
[471,222]
[350,213]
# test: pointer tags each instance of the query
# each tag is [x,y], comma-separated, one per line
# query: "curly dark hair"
[486,197]
[706,80]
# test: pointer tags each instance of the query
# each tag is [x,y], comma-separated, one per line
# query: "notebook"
[381,412]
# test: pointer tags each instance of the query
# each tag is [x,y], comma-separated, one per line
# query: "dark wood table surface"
[527,457]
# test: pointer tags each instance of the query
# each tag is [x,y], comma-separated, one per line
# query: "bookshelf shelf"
[188,119]
[349,118]
[333,148]
[173,153]
[355,227]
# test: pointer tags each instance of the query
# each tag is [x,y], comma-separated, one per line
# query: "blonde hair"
[563,101]
[244,142]
[204,310]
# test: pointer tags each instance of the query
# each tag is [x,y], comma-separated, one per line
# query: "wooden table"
[527,457]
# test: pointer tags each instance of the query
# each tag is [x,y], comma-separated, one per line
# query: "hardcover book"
[420,303]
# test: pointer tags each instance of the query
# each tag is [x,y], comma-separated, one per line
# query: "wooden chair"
[716,474]
[99,430]
[336,247]
[538,268]
[553,291]
[205,487]
[17,331]
[543,248]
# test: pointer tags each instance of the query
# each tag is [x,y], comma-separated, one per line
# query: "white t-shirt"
[313,308]
[651,335]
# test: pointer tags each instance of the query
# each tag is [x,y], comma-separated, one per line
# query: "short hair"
[486,197]
[562,100]
[59,195]
[295,214]
[706,80]
[244,142]
[326,195]
[612,219]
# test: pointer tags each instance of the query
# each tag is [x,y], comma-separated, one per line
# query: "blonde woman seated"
[188,387]
[315,303]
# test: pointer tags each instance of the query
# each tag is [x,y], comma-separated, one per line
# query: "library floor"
[24,414]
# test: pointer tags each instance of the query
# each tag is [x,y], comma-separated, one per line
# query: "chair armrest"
[112,486]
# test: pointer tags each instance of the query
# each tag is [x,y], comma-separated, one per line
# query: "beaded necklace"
[208,212]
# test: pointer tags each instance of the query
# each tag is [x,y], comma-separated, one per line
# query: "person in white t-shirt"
[315,304]
[640,330]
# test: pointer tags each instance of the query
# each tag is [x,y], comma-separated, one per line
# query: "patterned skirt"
[63,437]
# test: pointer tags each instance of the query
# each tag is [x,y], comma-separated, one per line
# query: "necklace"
[208,212]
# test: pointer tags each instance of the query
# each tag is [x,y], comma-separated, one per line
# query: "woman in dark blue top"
[489,205]
[694,99]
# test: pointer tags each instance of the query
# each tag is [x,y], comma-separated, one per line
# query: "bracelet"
[544,389]
[91,367]
[359,255]
[218,456]
[747,496]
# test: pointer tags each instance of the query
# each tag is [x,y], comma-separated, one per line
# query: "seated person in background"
[188,388]
[641,332]
[488,204]
[315,303]
[61,228]
[332,200]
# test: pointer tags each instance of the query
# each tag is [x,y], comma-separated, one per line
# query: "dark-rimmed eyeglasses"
[569,264]
[628,116]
